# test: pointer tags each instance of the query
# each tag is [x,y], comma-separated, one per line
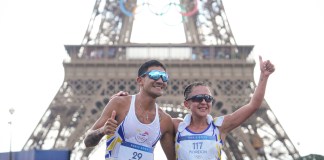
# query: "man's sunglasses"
[156,75]
[200,97]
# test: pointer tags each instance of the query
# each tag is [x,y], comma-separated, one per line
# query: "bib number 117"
[197,145]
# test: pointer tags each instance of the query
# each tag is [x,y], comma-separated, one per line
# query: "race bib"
[131,151]
[197,147]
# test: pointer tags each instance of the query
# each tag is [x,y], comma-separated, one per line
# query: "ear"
[139,80]
[186,104]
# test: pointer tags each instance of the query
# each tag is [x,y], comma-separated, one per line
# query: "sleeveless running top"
[133,139]
[206,145]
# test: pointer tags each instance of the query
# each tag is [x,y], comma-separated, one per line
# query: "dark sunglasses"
[200,97]
[156,75]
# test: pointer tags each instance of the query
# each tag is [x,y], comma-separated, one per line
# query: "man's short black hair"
[144,67]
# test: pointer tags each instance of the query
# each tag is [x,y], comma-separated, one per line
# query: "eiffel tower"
[107,62]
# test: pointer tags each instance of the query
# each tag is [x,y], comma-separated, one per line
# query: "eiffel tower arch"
[107,62]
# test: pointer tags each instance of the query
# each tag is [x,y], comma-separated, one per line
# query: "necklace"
[146,116]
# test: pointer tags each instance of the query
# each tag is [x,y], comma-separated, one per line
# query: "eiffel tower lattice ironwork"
[106,62]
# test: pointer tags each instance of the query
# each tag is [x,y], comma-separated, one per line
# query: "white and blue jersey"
[133,139]
[206,145]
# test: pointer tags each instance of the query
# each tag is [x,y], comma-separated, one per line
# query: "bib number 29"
[137,156]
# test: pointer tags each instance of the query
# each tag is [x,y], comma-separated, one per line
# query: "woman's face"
[197,101]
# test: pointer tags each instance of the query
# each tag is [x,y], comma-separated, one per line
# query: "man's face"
[151,84]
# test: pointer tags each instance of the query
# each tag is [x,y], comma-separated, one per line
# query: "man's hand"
[266,67]
[94,136]
[111,124]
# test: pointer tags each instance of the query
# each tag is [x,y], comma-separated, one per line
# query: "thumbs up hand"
[266,67]
[111,124]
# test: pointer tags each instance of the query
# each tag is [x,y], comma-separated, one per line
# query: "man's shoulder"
[121,99]
[164,114]
[120,102]
[166,123]
[177,120]
[121,105]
